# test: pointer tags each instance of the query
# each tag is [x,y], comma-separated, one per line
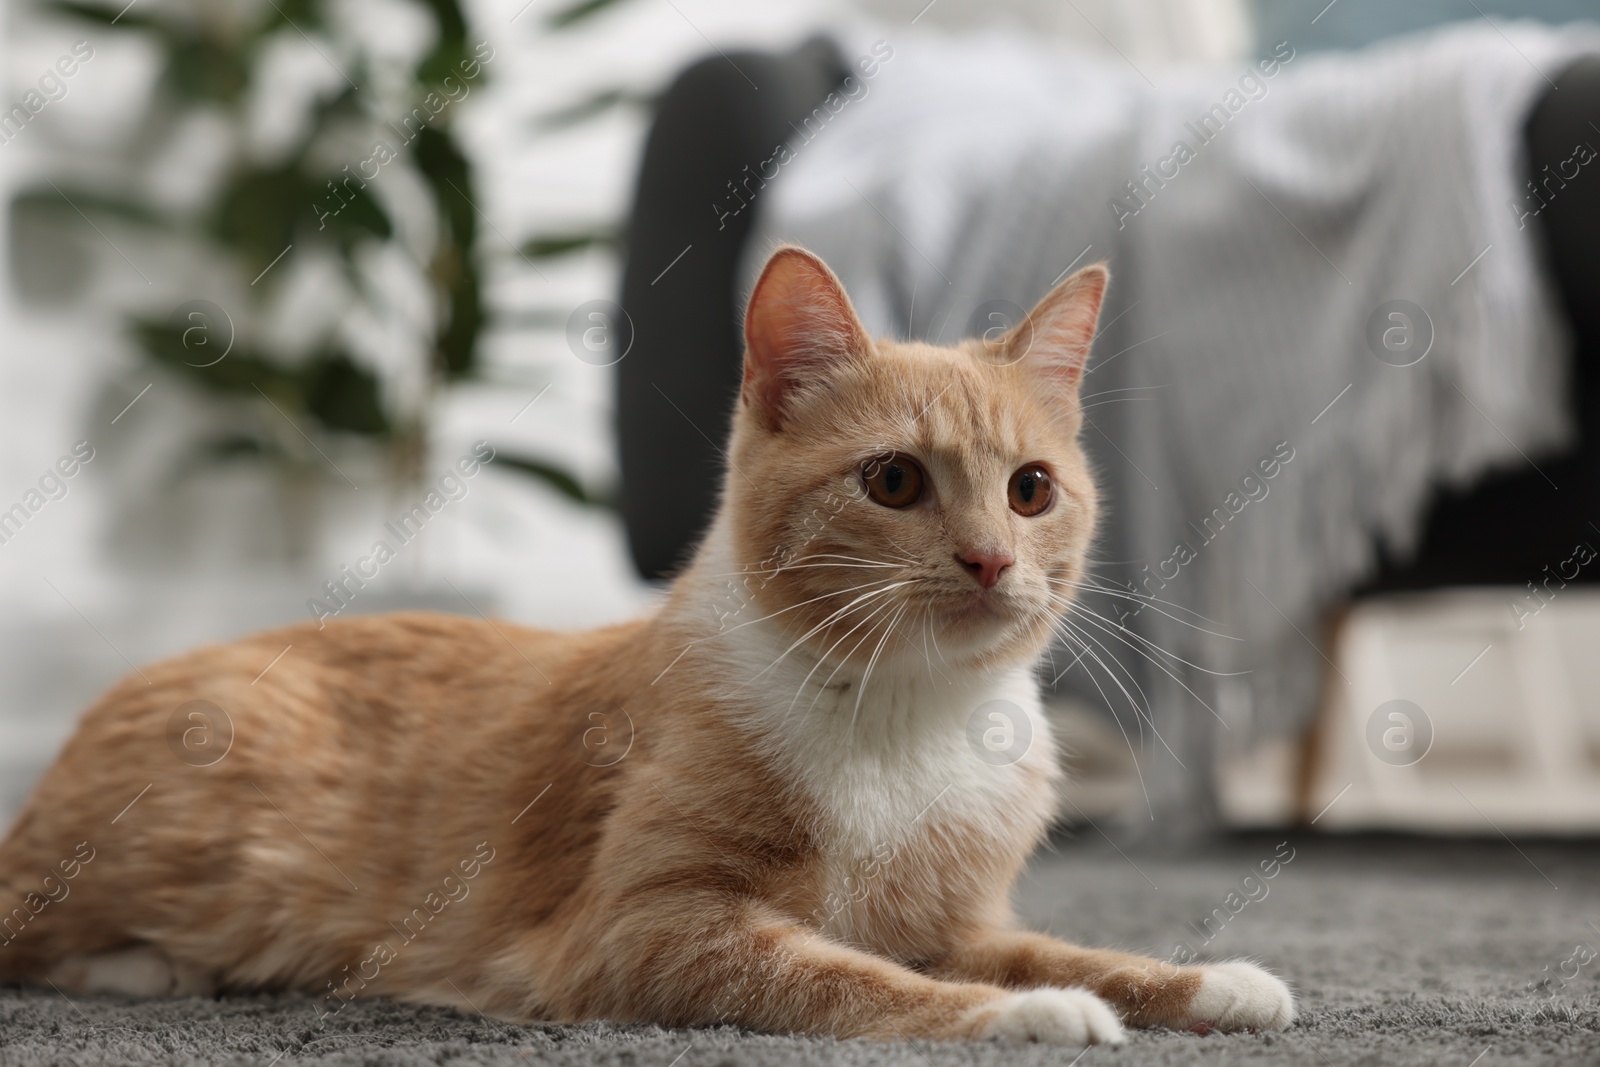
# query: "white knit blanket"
[1253,280]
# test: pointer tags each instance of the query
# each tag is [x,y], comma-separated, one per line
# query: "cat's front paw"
[1240,996]
[1050,1017]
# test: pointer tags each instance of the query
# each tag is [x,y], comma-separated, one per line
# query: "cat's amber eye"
[895,481]
[1030,490]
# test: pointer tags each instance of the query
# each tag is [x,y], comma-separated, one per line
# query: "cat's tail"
[33,895]
[16,963]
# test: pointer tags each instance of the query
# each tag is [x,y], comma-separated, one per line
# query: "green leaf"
[107,16]
[360,216]
[577,12]
[554,477]
[450,52]
[230,447]
[204,69]
[448,173]
[259,212]
[298,16]
[446,169]
[344,396]
[457,342]
[256,210]
[225,449]
[240,372]
[552,245]
[587,108]
[330,390]
[67,198]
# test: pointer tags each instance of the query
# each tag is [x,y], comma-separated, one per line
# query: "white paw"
[1052,1017]
[139,972]
[1241,996]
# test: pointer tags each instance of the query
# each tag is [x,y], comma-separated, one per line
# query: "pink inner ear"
[799,324]
[1059,330]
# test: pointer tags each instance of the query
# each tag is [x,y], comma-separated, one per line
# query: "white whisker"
[1146,600]
[827,621]
[927,614]
[872,662]
[769,575]
[792,607]
[1145,711]
[853,559]
[842,660]
[1124,389]
[1123,730]
[1074,605]
[1142,712]
[1118,632]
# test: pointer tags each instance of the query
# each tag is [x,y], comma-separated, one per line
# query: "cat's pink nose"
[985,566]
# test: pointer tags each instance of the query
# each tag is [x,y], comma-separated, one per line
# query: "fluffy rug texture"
[1403,952]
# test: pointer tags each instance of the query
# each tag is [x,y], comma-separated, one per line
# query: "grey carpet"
[1403,952]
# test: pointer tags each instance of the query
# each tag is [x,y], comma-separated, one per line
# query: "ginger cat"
[784,822]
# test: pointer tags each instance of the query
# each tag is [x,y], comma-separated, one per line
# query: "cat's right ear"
[798,325]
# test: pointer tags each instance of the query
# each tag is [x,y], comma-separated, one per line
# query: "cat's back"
[327,770]
[366,701]
[405,668]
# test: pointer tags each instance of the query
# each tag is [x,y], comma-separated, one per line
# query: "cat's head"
[905,499]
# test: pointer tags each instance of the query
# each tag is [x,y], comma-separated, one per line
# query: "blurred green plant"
[212,54]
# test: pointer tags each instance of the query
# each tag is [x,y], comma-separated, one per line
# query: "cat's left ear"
[1055,336]
[798,326]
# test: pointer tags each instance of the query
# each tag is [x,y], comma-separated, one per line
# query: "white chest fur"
[897,774]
